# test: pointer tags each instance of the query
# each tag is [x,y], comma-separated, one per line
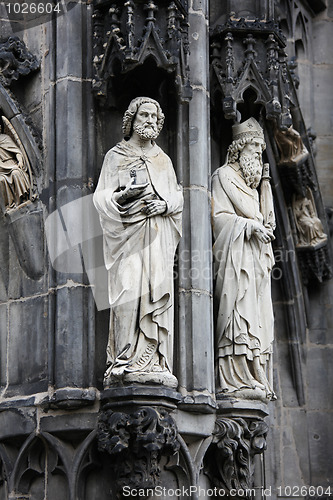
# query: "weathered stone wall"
[52,339]
[24,310]
[323,99]
[301,441]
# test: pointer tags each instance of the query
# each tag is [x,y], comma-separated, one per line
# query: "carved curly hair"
[133,107]
[238,145]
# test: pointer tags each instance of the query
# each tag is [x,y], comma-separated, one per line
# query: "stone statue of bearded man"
[243,224]
[140,207]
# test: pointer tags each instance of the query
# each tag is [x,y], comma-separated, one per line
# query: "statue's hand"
[131,191]
[264,234]
[155,207]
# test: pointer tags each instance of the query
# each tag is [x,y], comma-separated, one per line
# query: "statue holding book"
[140,207]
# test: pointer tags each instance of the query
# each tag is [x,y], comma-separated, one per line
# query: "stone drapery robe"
[242,297]
[14,181]
[139,255]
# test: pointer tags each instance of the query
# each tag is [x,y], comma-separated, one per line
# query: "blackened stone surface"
[3,343]
[299,427]
[27,346]
[26,228]
[60,423]
[139,394]
[4,256]
[287,388]
[14,419]
[320,372]
[73,351]
[317,5]
[70,399]
[20,285]
[320,444]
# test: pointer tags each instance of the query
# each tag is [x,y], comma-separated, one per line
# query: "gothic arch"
[85,461]
[29,465]
[299,50]
[300,31]
[5,470]
[25,222]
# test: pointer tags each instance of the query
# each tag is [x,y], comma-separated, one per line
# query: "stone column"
[69,145]
[196,360]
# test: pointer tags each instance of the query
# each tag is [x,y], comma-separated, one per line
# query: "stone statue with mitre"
[140,207]
[243,224]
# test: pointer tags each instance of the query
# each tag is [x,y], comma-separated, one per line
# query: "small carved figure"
[140,207]
[243,225]
[290,145]
[15,184]
[310,230]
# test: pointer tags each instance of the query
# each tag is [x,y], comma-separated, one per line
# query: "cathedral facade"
[68,71]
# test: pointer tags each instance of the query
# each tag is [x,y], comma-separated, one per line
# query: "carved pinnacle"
[151,8]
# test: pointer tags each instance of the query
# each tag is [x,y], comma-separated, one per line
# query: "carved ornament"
[127,33]
[235,63]
[315,263]
[230,461]
[136,442]
[15,60]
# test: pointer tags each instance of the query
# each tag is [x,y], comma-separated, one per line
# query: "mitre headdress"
[248,129]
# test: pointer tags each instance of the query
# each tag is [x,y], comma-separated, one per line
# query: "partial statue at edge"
[291,147]
[243,225]
[140,207]
[15,175]
[310,231]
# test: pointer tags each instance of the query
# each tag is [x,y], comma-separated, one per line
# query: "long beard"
[251,169]
[146,132]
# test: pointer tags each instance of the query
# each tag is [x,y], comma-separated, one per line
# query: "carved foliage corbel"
[230,460]
[136,443]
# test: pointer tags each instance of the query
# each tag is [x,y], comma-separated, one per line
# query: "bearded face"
[251,166]
[146,131]
[145,121]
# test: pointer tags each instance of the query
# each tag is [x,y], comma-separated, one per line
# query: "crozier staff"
[243,224]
